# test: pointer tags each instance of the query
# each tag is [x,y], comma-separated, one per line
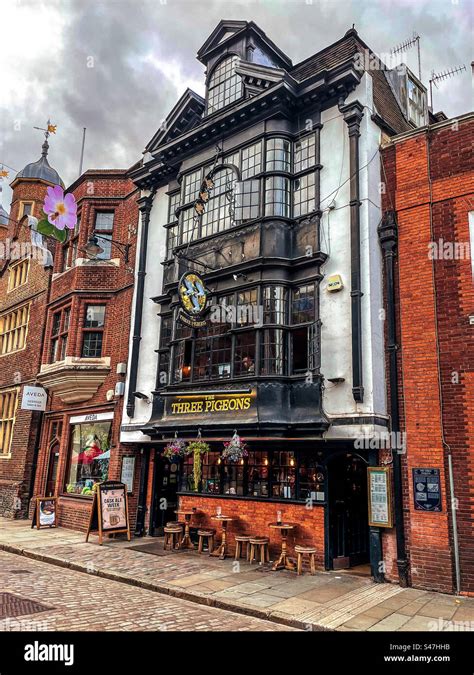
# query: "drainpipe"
[142,493]
[353,113]
[388,237]
[144,204]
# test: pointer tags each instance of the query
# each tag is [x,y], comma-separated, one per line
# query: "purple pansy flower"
[61,210]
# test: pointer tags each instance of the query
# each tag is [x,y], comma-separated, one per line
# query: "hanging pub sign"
[109,512]
[44,514]
[193,298]
[427,490]
[380,496]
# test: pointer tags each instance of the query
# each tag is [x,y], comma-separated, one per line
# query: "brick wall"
[93,283]
[252,518]
[434,300]
[21,367]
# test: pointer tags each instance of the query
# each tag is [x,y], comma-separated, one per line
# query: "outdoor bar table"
[221,550]
[283,561]
[186,539]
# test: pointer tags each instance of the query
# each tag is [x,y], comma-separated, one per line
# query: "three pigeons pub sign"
[193,300]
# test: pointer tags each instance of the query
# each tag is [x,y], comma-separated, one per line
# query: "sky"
[117,67]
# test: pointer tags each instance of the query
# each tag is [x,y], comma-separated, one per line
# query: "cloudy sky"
[118,66]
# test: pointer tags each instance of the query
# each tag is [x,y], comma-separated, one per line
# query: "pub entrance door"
[348,540]
[164,499]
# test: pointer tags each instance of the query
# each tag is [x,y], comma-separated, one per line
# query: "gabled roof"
[226,30]
[344,49]
[221,32]
[185,115]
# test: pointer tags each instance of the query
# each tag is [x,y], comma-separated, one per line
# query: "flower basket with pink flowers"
[235,450]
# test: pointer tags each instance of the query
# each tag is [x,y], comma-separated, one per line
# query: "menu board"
[427,490]
[45,511]
[113,506]
[380,496]
[109,512]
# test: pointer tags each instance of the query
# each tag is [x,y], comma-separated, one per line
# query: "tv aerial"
[443,75]
[408,44]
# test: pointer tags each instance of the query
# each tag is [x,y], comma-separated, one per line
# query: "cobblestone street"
[76,601]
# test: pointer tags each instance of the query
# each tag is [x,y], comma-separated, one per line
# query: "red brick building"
[429,222]
[25,274]
[86,346]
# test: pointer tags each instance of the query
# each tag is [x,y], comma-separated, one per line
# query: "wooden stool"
[209,535]
[239,547]
[174,523]
[259,545]
[172,537]
[302,551]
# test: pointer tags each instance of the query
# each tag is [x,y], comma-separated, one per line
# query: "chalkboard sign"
[44,514]
[109,512]
[380,496]
[427,490]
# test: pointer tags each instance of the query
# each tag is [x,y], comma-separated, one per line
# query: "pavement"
[330,601]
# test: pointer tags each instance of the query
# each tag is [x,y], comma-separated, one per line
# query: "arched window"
[224,85]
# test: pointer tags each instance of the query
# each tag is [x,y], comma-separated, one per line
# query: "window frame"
[232,83]
[89,330]
[13,269]
[8,422]
[20,328]
[105,233]
[23,203]
[291,476]
[61,336]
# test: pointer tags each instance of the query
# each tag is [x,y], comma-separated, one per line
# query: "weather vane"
[50,129]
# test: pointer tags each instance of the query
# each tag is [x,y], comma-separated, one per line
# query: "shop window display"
[89,457]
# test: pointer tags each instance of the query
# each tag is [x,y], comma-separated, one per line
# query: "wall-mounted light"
[93,248]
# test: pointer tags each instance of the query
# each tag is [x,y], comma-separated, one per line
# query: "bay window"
[245,353]
[304,194]
[273,352]
[251,160]
[277,196]
[278,155]
[304,153]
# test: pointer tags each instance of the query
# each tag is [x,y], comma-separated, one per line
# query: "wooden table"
[186,539]
[221,550]
[283,562]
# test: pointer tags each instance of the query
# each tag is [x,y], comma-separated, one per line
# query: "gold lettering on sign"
[210,405]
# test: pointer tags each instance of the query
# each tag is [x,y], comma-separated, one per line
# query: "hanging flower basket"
[197,448]
[175,450]
[235,449]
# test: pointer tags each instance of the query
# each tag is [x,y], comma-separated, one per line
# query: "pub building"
[259,292]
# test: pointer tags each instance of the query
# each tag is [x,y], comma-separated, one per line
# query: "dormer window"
[225,86]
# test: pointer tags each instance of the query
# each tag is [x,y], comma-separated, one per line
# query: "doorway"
[348,520]
[53,463]
[165,499]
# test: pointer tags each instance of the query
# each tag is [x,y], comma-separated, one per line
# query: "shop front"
[319,486]
[77,453]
